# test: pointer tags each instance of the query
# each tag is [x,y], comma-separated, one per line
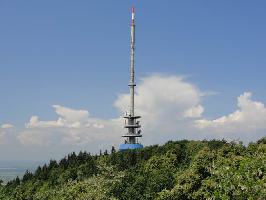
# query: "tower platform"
[124,147]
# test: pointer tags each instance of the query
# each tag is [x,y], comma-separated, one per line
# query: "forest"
[177,170]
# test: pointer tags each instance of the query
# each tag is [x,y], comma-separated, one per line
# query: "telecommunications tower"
[131,120]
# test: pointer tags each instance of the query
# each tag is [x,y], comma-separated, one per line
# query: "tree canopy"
[177,170]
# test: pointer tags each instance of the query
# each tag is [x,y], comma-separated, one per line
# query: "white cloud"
[194,112]
[164,102]
[36,137]
[170,108]
[71,116]
[67,118]
[72,127]
[4,130]
[249,118]
[36,123]
[160,95]
[7,126]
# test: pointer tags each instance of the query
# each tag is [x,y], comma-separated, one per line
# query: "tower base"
[124,147]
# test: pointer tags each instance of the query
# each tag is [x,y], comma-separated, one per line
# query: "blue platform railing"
[130,146]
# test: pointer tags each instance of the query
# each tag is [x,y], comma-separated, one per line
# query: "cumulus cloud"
[249,118]
[100,132]
[170,106]
[194,112]
[72,127]
[160,95]
[67,118]
[7,126]
[165,103]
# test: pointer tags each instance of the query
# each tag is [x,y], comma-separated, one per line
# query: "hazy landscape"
[132,100]
[9,170]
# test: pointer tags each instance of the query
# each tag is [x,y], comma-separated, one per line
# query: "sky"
[64,67]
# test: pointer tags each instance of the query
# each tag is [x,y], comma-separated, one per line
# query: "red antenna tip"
[133,9]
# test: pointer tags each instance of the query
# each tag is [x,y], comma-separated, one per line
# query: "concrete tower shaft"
[132,63]
[131,124]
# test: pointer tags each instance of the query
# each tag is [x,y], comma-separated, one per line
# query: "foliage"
[183,170]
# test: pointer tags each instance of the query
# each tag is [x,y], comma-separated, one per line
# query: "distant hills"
[177,170]
[9,170]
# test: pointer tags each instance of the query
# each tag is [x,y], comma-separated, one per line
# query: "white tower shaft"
[132,64]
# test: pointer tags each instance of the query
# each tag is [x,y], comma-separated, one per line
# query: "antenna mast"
[132,125]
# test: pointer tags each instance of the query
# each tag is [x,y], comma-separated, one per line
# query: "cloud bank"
[166,104]
[250,117]
[171,108]
[73,127]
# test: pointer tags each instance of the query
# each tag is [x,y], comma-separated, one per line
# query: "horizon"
[200,74]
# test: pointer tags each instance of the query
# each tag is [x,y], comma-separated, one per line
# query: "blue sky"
[76,54]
